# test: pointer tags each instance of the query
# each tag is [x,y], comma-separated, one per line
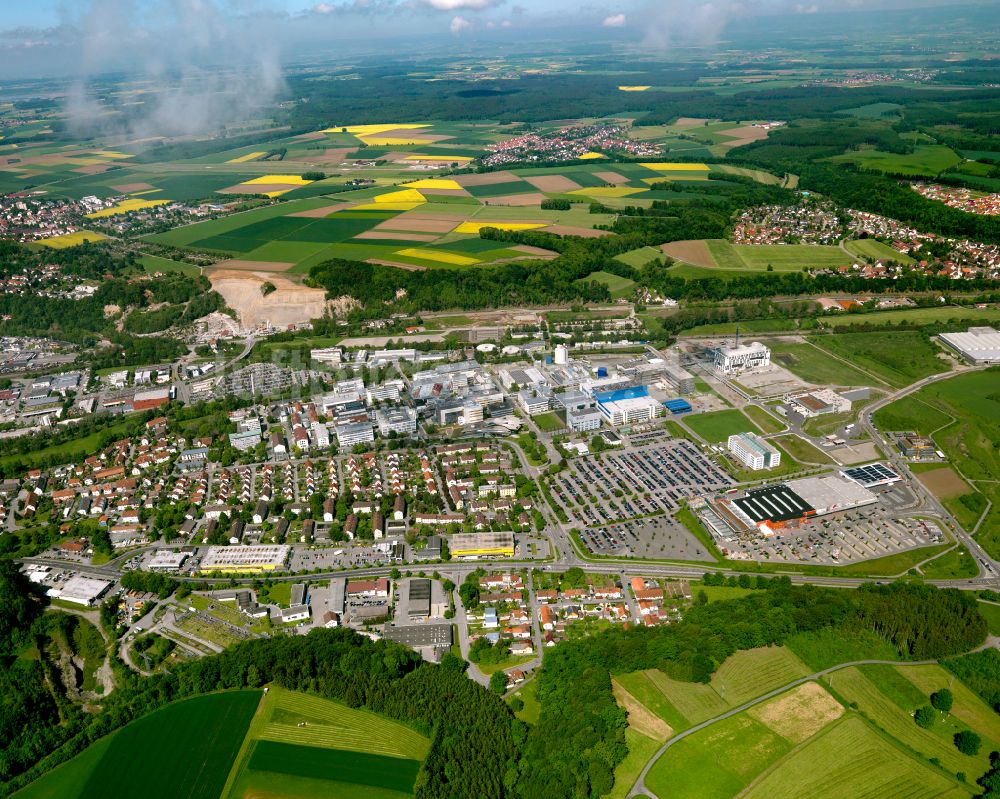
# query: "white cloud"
[459,25]
[614,21]
[455,5]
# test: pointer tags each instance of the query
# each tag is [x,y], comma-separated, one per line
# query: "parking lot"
[623,500]
[862,534]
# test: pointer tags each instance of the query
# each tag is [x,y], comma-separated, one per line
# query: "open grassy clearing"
[719,425]
[899,358]
[825,648]
[927,160]
[644,686]
[640,718]
[640,750]
[957,564]
[549,422]
[802,450]
[696,702]
[764,420]
[532,707]
[800,713]
[816,366]
[850,760]
[991,613]
[67,451]
[780,257]
[968,708]
[618,286]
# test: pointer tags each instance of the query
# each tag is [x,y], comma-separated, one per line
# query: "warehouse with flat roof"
[977,344]
[249,559]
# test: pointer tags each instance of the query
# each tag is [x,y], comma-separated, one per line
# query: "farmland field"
[850,760]
[927,160]
[872,248]
[618,286]
[312,746]
[752,672]
[719,425]
[717,762]
[182,751]
[782,257]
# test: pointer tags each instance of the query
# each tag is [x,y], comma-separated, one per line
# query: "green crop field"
[154,263]
[781,257]
[642,686]
[927,160]
[876,250]
[314,746]
[752,672]
[618,286]
[640,257]
[719,425]
[892,709]
[816,366]
[182,751]
[717,762]
[899,358]
[851,760]
[696,702]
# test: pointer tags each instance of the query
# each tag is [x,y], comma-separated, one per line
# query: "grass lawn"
[182,751]
[695,702]
[876,251]
[991,613]
[532,707]
[618,286]
[549,422]
[154,263]
[719,425]
[802,450]
[644,687]
[720,593]
[816,366]
[954,565]
[641,257]
[850,760]
[764,420]
[508,663]
[640,750]
[780,257]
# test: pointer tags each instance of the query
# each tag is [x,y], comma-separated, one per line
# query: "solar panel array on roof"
[872,474]
[773,504]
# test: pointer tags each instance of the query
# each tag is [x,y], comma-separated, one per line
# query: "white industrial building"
[166,560]
[583,420]
[263,558]
[330,355]
[634,410]
[742,358]
[817,403]
[561,356]
[977,344]
[533,402]
[351,433]
[401,421]
[753,451]
[81,590]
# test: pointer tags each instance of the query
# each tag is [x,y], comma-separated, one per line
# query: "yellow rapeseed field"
[434,183]
[588,156]
[72,239]
[445,158]
[632,88]
[667,167]
[439,255]
[403,196]
[287,180]
[125,206]
[371,130]
[244,158]
[475,227]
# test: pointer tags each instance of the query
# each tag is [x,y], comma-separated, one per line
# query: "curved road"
[639,787]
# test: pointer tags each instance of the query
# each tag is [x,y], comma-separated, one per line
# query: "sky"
[83,38]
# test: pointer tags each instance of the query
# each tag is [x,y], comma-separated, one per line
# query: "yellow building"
[482,545]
